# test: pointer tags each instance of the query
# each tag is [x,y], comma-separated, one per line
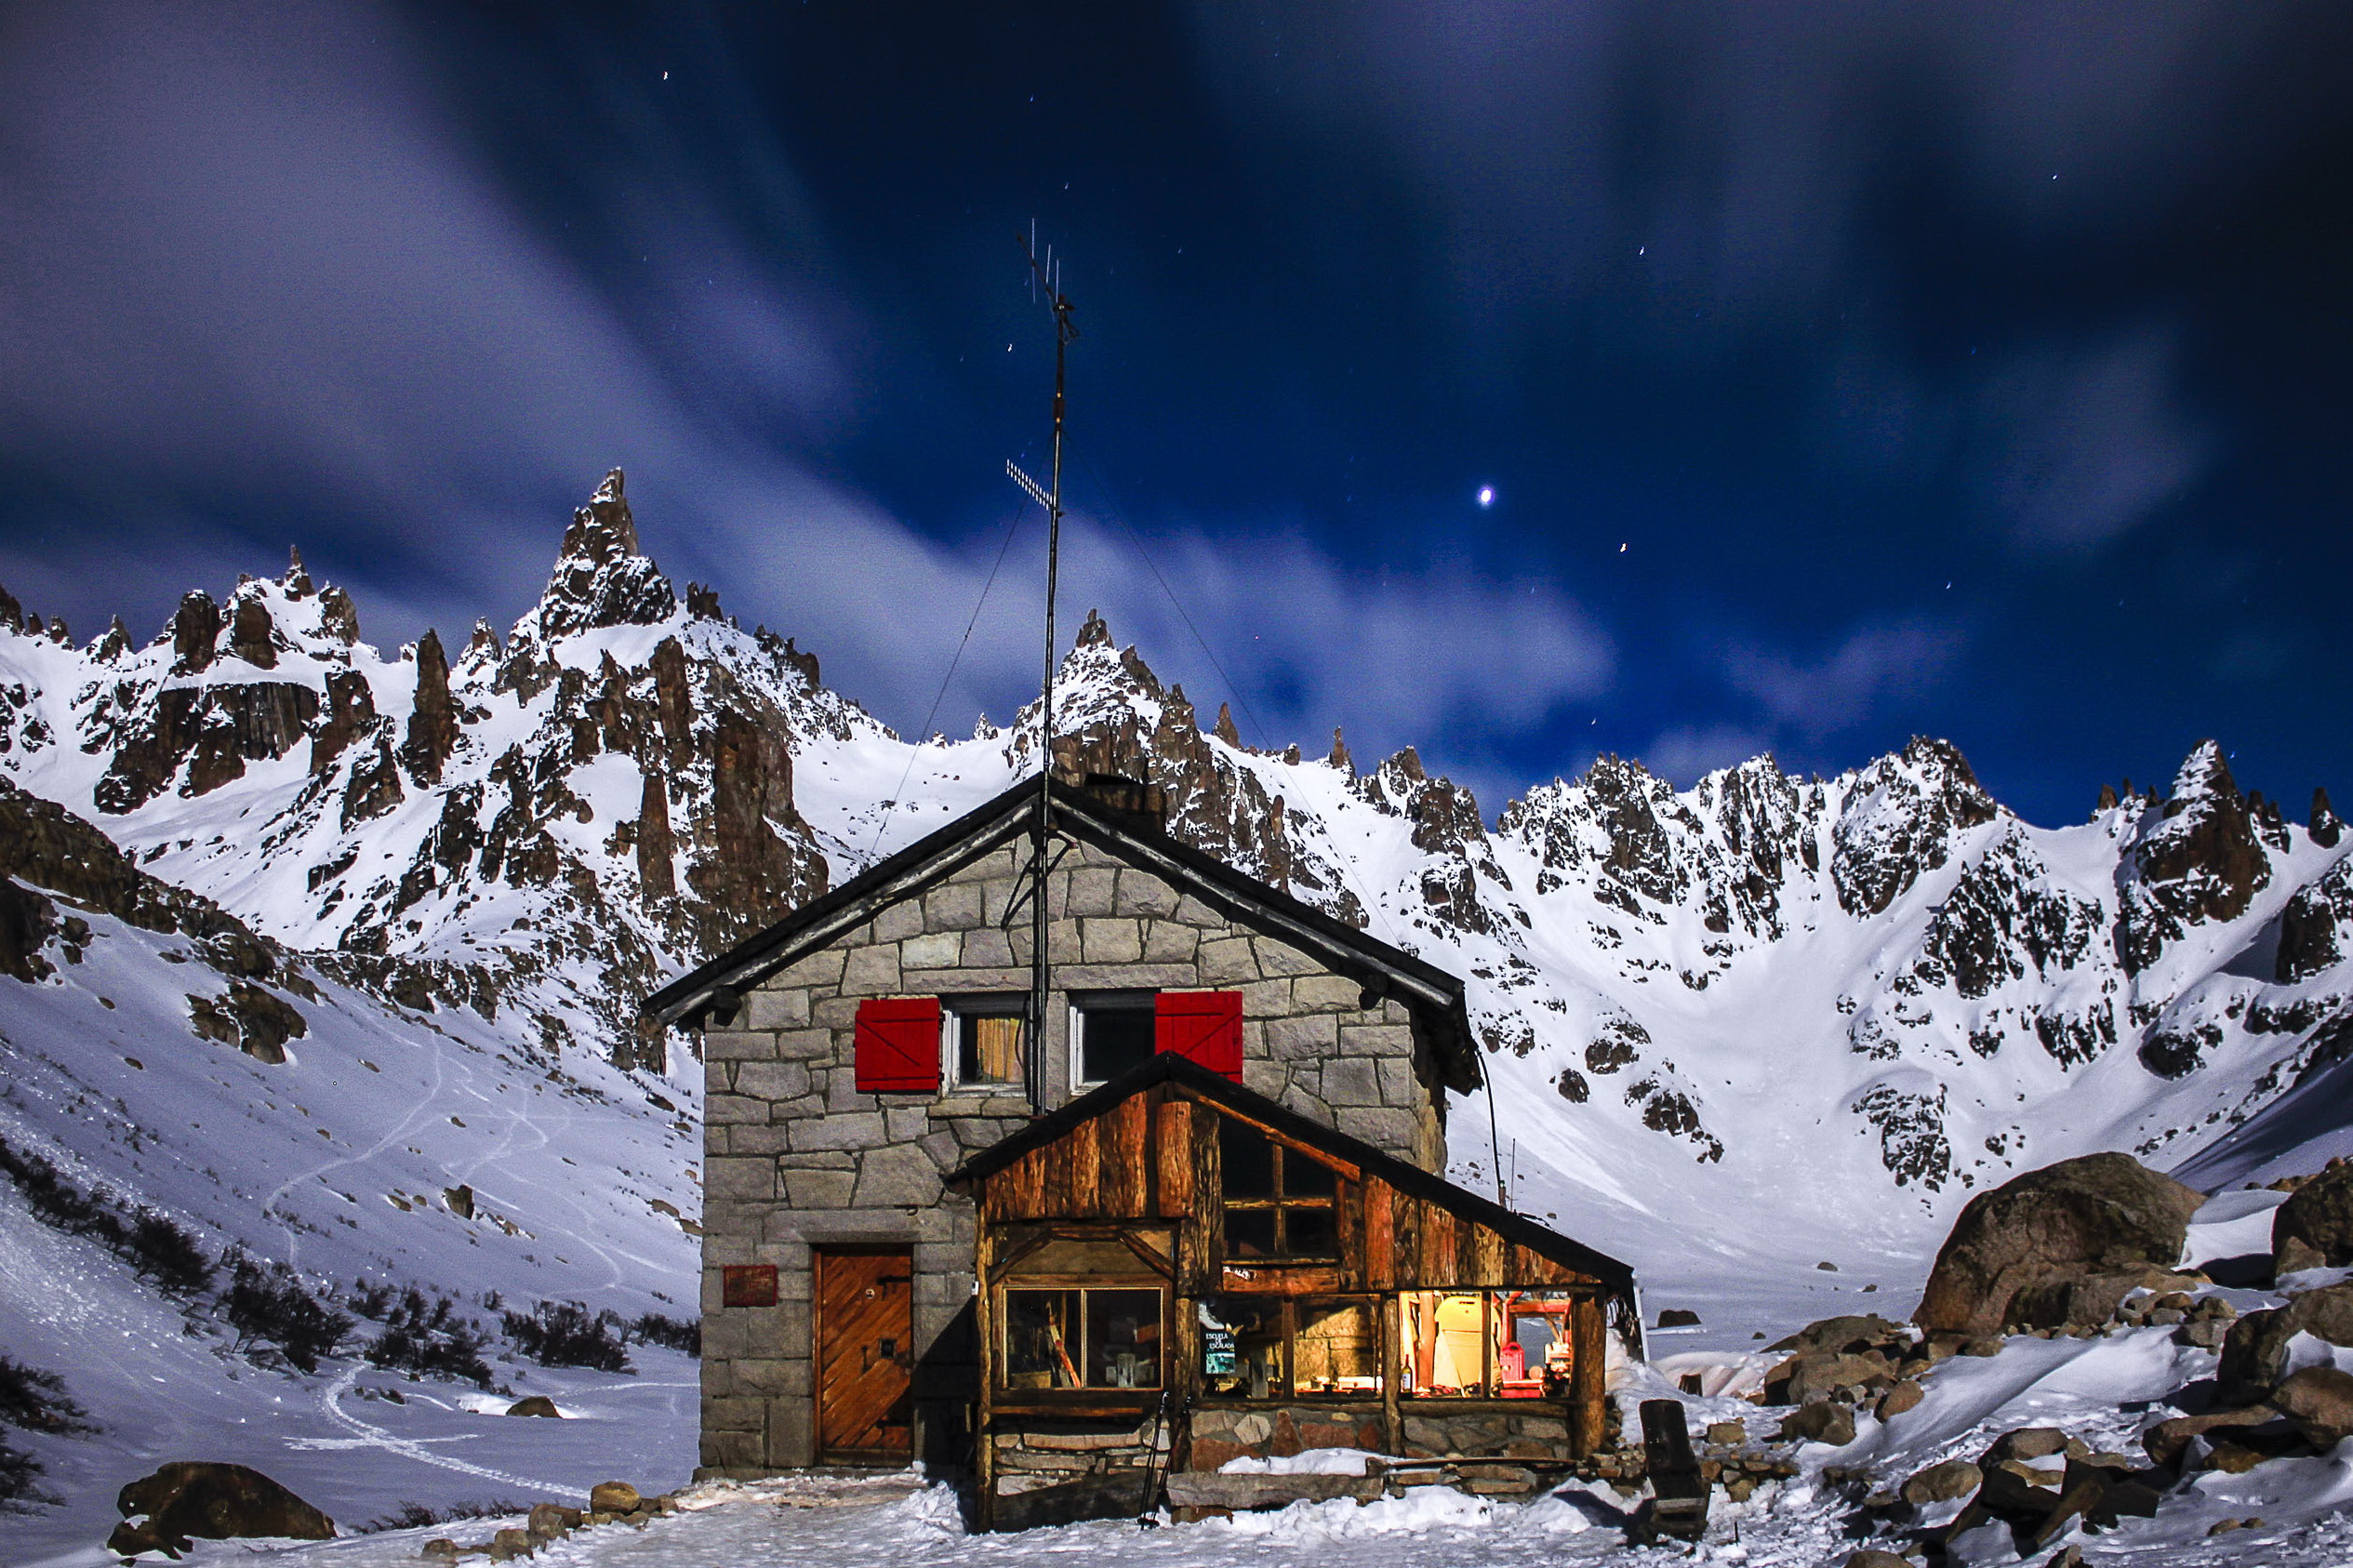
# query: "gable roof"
[1435,996]
[1168,1067]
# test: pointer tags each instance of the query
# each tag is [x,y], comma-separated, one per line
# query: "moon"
[1486,495]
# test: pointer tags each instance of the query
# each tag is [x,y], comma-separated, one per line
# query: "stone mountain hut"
[1196,1217]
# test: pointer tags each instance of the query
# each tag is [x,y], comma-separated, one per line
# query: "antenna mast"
[1046,274]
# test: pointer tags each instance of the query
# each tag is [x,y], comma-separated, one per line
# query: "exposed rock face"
[251,635]
[2254,1353]
[26,920]
[1122,721]
[2318,1216]
[600,578]
[2102,1214]
[195,627]
[1902,820]
[2323,824]
[217,1502]
[373,788]
[432,724]
[2320,1401]
[752,877]
[656,869]
[351,712]
[2315,928]
[2197,859]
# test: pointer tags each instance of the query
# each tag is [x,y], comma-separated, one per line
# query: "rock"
[1814,1375]
[2018,1493]
[217,1502]
[2026,1443]
[1853,1332]
[2324,824]
[1942,1483]
[2254,1351]
[535,1404]
[432,724]
[1727,1434]
[2098,1213]
[459,1201]
[441,1547]
[656,851]
[1905,1396]
[1678,1317]
[2199,859]
[195,627]
[600,578]
[1871,1557]
[1823,1422]
[613,1496]
[549,1520]
[508,1545]
[2320,1401]
[2320,1215]
[2165,1441]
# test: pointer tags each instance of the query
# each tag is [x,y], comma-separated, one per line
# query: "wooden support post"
[984,1317]
[1588,1375]
[1392,1363]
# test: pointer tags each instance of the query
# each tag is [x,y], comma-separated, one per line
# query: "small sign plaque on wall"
[748,1284]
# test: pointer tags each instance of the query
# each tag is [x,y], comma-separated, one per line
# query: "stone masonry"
[797,1158]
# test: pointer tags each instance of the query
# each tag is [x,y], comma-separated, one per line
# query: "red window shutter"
[899,1045]
[1202,1027]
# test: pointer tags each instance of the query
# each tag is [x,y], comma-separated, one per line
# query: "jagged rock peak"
[11,613]
[1339,757]
[1224,729]
[600,578]
[1096,633]
[296,581]
[2325,826]
[2199,857]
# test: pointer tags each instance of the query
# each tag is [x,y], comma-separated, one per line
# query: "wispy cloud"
[1871,669]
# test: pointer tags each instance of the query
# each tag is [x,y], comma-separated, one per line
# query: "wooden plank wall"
[1154,1156]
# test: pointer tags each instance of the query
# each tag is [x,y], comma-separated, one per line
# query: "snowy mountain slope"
[1843,1003]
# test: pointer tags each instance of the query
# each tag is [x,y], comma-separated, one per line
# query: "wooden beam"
[1589,1376]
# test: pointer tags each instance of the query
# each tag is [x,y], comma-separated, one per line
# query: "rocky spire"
[338,617]
[116,642]
[2200,860]
[195,627]
[11,613]
[2324,826]
[297,582]
[250,631]
[1339,757]
[432,726]
[1224,729]
[600,580]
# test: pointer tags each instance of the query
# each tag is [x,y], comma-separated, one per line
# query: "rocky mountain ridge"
[552,820]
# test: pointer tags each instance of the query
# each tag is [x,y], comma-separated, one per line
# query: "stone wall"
[796,1157]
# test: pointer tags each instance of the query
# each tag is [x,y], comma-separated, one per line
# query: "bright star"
[1486,495]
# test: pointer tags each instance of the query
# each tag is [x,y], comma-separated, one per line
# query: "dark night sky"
[1842,372]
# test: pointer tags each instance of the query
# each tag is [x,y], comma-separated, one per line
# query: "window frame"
[1081,1286]
[953,1011]
[1278,1203]
[1288,1311]
[1081,1003]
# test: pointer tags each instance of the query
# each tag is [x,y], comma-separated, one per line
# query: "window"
[1111,1034]
[983,1041]
[1083,1338]
[1484,1343]
[1254,1348]
[1279,1202]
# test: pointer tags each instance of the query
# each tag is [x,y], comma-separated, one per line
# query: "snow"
[1835,1075]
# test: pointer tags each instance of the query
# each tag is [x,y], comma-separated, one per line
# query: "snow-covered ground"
[807,1523]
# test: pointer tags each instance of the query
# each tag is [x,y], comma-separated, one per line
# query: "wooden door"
[865,1355]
